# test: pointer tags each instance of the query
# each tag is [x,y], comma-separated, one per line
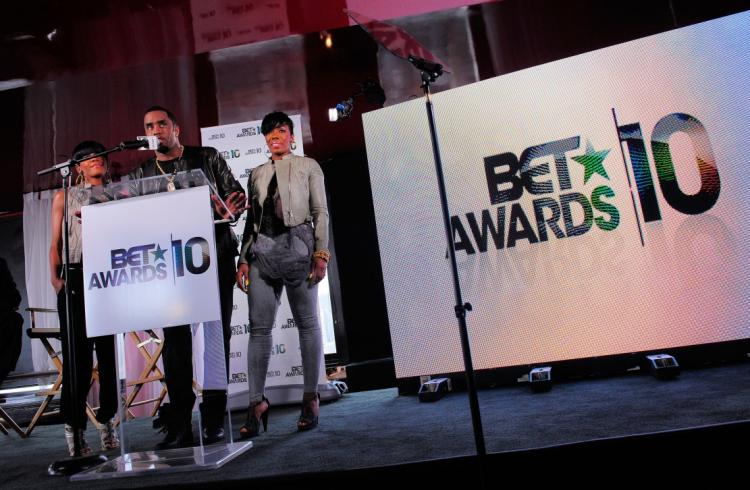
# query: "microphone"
[435,69]
[142,143]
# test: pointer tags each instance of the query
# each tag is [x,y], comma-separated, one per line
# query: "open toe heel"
[251,428]
[308,419]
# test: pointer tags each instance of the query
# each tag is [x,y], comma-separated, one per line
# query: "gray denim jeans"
[264,294]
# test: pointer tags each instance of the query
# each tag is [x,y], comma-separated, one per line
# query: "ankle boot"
[108,436]
[69,439]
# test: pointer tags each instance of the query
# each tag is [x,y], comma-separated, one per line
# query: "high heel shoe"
[252,422]
[308,419]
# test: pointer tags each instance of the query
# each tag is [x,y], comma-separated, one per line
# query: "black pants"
[177,354]
[84,347]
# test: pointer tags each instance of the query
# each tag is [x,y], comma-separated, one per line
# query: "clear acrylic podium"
[122,300]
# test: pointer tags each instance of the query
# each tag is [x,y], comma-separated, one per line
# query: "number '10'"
[696,203]
[183,257]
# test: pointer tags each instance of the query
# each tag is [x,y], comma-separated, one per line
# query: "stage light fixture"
[372,91]
[540,379]
[342,110]
[433,390]
[663,366]
[340,386]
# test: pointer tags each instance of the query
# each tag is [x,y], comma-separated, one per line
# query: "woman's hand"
[58,283]
[318,270]
[243,276]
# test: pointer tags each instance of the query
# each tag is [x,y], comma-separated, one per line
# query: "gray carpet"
[381,428]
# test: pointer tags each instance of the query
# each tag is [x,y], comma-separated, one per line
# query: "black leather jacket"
[217,172]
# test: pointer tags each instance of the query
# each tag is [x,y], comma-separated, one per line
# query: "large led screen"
[599,205]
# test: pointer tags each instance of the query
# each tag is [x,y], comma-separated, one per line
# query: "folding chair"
[149,374]
[45,335]
[6,419]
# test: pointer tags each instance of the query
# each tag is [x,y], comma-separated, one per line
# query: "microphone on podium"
[141,143]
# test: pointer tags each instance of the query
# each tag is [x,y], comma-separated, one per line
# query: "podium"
[149,262]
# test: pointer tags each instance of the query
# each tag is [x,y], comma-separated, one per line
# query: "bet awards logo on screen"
[564,206]
[146,263]
[701,201]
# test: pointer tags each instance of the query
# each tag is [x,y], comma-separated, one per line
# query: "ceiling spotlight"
[52,35]
[342,110]
[327,39]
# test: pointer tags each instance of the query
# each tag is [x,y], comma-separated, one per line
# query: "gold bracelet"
[323,254]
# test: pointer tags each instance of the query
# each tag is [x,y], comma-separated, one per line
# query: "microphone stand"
[429,72]
[77,463]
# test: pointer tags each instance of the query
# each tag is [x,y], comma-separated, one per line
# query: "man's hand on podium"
[236,203]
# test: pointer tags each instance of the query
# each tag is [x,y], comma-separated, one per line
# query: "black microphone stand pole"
[77,463]
[430,72]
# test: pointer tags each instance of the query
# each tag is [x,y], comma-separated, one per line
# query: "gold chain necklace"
[170,178]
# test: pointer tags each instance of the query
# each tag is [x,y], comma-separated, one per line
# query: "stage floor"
[380,427]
